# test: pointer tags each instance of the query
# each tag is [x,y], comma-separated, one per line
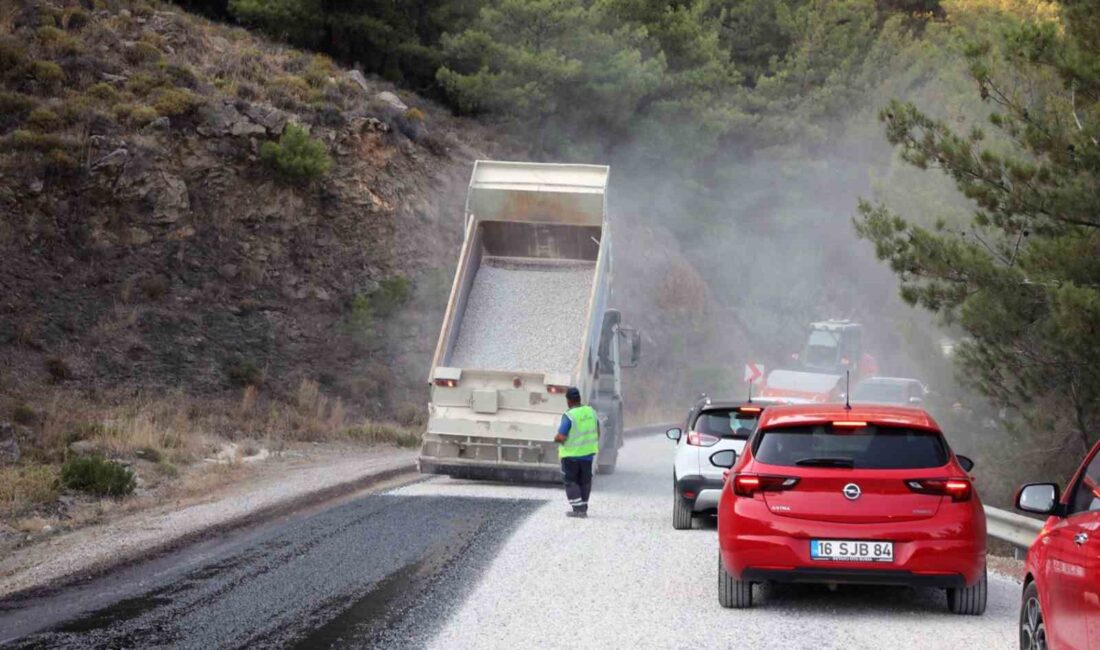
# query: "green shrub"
[296,156]
[244,372]
[13,56]
[176,101]
[30,141]
[319,70]
[23,414]
[43,120]
[296,87]
[143,83]
[75,108]
[59,370]
[97,475]
[142,52]
[14,107]
[47,72]
[180,75]
[142,115]
[103,92]
[75,18]
[49,34]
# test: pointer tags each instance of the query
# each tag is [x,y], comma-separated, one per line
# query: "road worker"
[578,439]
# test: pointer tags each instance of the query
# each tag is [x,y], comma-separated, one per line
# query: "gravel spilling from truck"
[523,313]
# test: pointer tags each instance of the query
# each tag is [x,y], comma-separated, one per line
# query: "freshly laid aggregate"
[525,314]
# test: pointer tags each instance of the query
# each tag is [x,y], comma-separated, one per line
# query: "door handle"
[1080,538]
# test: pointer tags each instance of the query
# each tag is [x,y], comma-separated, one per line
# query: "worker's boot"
[579,514]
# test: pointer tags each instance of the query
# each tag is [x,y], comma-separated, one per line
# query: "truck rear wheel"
[605,469]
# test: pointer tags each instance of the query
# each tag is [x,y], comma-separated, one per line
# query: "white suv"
[711,426]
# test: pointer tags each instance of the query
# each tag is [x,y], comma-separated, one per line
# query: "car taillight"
[956,488]
[702,439]
[446,383]
[746,485]
[557,390]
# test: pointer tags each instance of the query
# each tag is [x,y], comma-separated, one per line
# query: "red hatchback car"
[862,495]
[1061,603]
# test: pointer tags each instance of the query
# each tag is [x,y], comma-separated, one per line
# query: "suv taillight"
[702,439]
[746,485]
[956,488]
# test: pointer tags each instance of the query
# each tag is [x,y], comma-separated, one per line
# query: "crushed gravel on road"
[624,578]
[525,314]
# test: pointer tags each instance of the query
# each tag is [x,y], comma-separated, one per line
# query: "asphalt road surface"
[456,564]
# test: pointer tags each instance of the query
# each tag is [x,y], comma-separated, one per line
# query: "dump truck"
[527,318]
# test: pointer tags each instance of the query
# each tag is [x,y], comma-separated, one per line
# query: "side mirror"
[674,433]
[1039,498]
[965,462]
[724,459]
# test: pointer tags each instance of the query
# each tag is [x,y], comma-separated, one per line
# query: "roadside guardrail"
[1018,530]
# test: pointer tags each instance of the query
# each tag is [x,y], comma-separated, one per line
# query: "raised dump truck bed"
[527,318]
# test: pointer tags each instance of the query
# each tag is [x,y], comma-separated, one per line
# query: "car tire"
[681,511]
[732,593]
[969,601]
[1033,629]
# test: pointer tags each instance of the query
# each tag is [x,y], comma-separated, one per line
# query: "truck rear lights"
[702,439]
[556,390]
[746,485]
[956,488]
[446,383]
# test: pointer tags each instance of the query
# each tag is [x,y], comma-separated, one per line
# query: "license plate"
[850,550]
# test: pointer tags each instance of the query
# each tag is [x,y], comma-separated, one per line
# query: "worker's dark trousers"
[577,474]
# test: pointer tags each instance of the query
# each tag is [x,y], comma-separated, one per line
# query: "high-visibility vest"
[583,437]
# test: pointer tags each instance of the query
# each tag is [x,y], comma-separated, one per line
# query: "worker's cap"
[573,393]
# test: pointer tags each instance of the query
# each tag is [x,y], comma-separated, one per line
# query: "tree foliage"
[1021,278]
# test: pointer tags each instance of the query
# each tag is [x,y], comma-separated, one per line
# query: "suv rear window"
[871,447]
[727,423]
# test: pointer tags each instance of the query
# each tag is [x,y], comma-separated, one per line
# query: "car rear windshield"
[727,423]
[871,447]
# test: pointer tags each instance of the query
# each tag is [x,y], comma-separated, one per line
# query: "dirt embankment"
[177,274]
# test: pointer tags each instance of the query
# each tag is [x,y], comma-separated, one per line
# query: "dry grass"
[24,488]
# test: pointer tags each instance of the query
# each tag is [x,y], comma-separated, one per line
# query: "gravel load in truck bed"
[525,314]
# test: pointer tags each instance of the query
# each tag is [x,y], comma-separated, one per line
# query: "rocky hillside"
[161,228]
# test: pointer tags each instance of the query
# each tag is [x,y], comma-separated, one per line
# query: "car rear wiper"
[826,462]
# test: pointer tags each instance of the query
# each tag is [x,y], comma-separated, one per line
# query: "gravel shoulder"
[274,487]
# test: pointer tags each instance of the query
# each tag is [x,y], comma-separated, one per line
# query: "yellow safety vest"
[583,437]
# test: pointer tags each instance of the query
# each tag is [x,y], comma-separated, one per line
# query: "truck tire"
[681,511]
[732,593]
[969,601]
[607,468]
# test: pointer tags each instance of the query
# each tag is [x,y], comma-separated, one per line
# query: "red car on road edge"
[1060,607]
[825,493]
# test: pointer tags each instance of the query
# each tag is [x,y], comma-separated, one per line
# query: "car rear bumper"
[701,492]
[939,548]
[854,576]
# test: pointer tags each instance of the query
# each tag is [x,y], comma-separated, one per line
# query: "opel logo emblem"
[852,491]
